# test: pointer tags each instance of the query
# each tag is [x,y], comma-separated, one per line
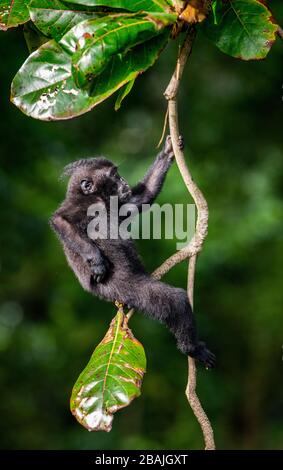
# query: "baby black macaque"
[111,268]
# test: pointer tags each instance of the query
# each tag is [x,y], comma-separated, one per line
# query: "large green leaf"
[45,89]
[54,18]
[13,13]
[241,28]
[33,37]
[111,379]
[94,42]
[130,5]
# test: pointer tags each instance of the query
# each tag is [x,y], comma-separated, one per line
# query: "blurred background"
[231,117]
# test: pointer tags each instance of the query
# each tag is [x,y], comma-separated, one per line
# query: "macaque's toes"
[203,355]
[210,361]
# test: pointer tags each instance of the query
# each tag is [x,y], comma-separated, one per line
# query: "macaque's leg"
[171,307]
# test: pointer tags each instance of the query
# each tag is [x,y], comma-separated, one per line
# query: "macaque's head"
[96,176]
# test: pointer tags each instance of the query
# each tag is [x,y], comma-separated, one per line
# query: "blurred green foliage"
[231,117]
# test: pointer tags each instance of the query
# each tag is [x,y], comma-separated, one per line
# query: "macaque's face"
[101,179]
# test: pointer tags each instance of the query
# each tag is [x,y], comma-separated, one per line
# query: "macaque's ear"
[87,186]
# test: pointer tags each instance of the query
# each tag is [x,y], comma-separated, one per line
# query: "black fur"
[111,269]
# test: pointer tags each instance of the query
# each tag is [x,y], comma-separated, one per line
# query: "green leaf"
[111,379]
[130,5]
[44,87]
[54,18]
[33,37]
[13,13]
[123,93]
[241,28]
[94,42]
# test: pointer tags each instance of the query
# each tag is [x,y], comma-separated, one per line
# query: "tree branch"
[191,394]
[194,247]
[201,230]
[170,94]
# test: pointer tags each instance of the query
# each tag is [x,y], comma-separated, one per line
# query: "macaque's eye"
[113,172]
[87,186]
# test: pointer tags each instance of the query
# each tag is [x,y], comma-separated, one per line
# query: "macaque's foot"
[98,270]
[203,355]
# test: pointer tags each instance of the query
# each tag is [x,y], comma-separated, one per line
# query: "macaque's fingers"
[97,278]
[181,142]
[98,271]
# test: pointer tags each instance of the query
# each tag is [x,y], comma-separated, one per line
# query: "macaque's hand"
[168,148]
[181,142]
[99,270]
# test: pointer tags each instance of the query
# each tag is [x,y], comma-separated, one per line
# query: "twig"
[164,128]
[201,230]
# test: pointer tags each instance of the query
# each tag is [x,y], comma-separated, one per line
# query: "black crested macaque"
[111,268]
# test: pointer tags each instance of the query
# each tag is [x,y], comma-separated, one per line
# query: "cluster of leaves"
[82,51]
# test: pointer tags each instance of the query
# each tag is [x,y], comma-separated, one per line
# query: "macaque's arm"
[89,252]
[150,186]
